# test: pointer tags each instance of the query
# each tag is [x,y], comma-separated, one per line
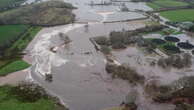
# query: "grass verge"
[14,66]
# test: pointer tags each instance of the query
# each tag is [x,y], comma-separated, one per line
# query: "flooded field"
[79,76]
[79,79]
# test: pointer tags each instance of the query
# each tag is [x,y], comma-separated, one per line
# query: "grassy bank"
[11,100]
[11,58]
[179,15]
[13,66]
[24,40]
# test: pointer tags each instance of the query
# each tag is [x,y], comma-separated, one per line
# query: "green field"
[10,102]
[179,15]
[9,3]
[25,34]
[9,33]
[13,67]
[157,4]
[24,39]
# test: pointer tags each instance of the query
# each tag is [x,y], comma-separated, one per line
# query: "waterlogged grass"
[10,102]
[14,66]
[179,15]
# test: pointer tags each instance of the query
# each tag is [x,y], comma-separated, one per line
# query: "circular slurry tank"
[158,41]
[171,39]
[171,49]
[185,45]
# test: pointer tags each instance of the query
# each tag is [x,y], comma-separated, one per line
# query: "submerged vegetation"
[176,61]
[124,72]
[120,40]
[179,92]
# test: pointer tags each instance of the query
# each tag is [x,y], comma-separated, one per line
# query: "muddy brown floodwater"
[79,76]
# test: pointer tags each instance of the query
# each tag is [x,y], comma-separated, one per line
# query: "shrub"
[116,37]
[102,40]
[118,45]
[105,49]
[179,89]
[29,92]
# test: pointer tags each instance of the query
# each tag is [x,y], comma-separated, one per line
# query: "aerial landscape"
[96,54]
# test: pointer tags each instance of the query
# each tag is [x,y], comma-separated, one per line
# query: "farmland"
[179,15]
[157,4]
[9,33]
[174,10]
